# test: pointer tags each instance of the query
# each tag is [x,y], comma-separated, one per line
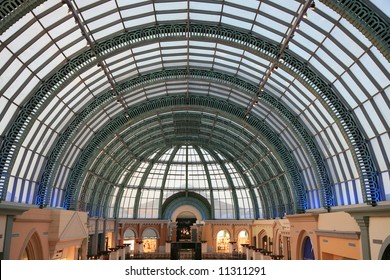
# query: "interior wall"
[303,225]
[60,233]
[379,232]
[3,221]
[340,221]
[24,226]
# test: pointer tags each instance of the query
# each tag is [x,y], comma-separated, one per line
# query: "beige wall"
[60,233]
[339,221]
[3,220]
[34,220]
[303,225]
[332,248]
[379,231]
[339,236]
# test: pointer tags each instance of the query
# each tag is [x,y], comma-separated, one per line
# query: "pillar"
[7,237]
[102,241]
[84,248]
[115,242]
[95,236]
[364,223]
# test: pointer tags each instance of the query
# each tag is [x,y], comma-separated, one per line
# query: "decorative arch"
[182,200]
[146,232]
[263,239]
[222,243]
[32,247]
[186,208]
[304,242]
[133,229]
[242,240]
[277,246]
[384,252]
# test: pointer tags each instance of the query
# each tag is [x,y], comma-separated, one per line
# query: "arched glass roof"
[187,168]
[295,99]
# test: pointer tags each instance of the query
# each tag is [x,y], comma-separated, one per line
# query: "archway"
[307,249]
[149,239]
[243,238]
[33,248]
[223,239]
[386,253]
[129,237]
[263,240]
[184,221]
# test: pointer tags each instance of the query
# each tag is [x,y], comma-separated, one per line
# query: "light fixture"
[313,6]
[305,15]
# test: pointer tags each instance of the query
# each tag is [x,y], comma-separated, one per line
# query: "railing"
[205,256]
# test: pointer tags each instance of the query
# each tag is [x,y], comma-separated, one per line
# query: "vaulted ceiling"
[250,111]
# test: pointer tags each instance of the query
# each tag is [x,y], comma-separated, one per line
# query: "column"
[95,236]
[84,249]
[364,223]
[116,234]
[7,237]
[102,241]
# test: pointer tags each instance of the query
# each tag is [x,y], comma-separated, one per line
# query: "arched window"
[223,239]
[129,238]
[149,238]
[243,238]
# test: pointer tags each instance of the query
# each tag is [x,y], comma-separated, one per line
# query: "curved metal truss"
[361,15]
[79,170]
[290,63]
[147,142]
[357,12]
[212,76]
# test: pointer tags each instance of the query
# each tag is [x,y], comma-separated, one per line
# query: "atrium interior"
[194,129]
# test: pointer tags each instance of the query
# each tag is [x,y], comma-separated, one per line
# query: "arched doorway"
[307,249]
[33,248]
[149,238]
[129,237]
[223,239]
[386,253]
[263,240]
[243,238]
[184,222]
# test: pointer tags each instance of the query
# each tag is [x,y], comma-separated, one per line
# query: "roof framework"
[91,90]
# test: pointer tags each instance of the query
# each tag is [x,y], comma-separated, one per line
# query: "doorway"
[308,253]
[183,230]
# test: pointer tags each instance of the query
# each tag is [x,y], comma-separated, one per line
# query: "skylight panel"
[135,23]
[194,16]
[98,10]
[26,90]
[27,20]
[54,16]
[268,34]
[26,38]
[171,16]
[205,6]
[375,72]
